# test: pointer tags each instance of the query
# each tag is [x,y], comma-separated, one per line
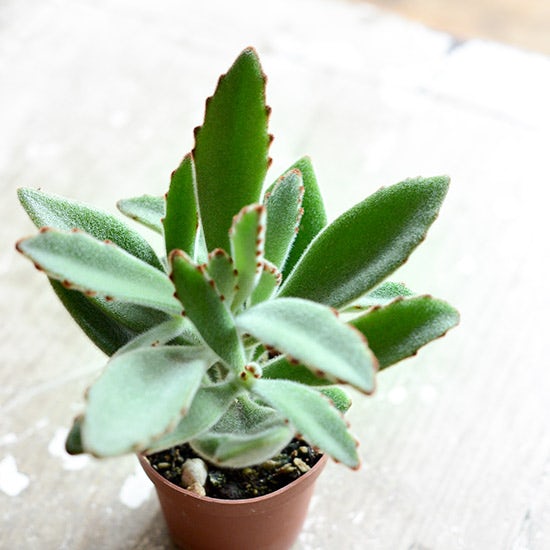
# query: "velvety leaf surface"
[314,217]
[241,450]
[247,237]
[399,329]
[209,404]
[282,368]
[209,313]
[222,269]
[181,221]
[313,335]
[147,210]
[283,204]
[339,398]
[270,280]
[83,263]
[384,294]
[367,243]
[140,395]
[247,434]
[158,335]
[231,148]
[313,416]
[47,210]
[136,317]
[104,331]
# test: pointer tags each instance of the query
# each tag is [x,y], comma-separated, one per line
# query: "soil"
[254,481]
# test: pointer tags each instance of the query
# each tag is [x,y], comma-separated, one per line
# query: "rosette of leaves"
[231,339]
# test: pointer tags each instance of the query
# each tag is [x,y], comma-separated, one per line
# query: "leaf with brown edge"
[181,220]
[284,212]
[120,417]
[367,243]
[147,210]
[209,405]
[48,210]
[83,263]
[270,280]
[231,148]
[197,291]
[312,334]
[313,416]
[247,238]
[282,369]
[399,329]
[221,268]
[248,433]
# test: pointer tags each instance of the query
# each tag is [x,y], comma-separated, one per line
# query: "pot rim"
[155,477]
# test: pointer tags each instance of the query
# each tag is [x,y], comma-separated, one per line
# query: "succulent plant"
[242,334]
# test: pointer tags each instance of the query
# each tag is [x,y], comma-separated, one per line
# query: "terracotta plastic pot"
[270,522]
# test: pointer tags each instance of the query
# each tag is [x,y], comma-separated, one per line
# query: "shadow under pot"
[269,522]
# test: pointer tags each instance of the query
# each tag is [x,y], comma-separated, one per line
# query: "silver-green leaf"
[209,405]
[146,210]
[141,395]
[312,335]
[83,263]
[313,416]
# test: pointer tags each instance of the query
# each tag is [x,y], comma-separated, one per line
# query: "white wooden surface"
[98,100]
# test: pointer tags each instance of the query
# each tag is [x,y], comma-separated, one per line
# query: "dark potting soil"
[254,481]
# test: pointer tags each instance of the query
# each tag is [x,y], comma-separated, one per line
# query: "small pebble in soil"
[231,483]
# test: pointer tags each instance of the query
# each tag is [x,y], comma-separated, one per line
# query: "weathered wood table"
[98,100]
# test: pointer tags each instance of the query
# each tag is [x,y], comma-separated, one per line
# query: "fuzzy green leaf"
[231,148]
[270,280]
[47,210]
[246,237]
[146,210]
[204,306]
[247,434]
[209,405]
[399,329]
[340,399]
[313,335]
[281,368]
[222,269]
[181,221]
[106,324]
[140,395]
[367,243]
[158,335]
[313,416]
[242,450]
[136,317]
[314,217]
[384,294]
[104,331]
[284,212]
[94,267]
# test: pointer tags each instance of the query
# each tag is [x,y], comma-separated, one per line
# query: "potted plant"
[235,344]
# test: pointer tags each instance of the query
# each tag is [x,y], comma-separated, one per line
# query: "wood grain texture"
[98,102]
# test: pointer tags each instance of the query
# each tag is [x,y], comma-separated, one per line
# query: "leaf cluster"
[242,332]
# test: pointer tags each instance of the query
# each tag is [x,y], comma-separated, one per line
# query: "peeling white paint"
[136,489]
[12,482]
[397,395]
[57,449]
